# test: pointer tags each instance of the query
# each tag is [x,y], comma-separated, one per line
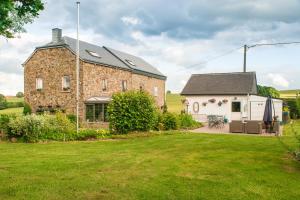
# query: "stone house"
[50,77]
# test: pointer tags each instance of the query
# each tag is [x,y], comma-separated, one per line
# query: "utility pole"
[77,71]
[245,57]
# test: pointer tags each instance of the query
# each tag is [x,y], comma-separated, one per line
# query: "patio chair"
[236,126]
[253,126]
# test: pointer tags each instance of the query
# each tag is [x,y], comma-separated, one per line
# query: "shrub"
[4,124]
[3,102]
[26,109]
[170,121]
[294,107]
[28,127]
[187,122]
[72,118]
[131,111]
[20,94]
[14,104]
[85,134]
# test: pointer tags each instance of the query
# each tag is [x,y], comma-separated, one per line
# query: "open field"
[174,103]
[288,93]
[14,99]
[179,166]
[12,111]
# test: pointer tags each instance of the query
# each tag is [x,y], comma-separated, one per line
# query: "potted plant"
[204,103]
[212,100]
[219,103]
[224,100]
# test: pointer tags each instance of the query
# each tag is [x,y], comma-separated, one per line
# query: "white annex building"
[232,95]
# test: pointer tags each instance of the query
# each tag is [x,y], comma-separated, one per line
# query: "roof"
[238,83]
[107,56]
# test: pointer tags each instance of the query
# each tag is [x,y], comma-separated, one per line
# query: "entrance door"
[236,111]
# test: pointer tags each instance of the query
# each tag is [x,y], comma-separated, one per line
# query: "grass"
[288,93]
[174,103]
[179,166]
[12,111]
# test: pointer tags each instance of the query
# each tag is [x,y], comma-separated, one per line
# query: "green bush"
[14,104]
[72,118]
[187,122]
[26,109]
[131,111]
[85,134]
[294,107]
[28,127]
[3,102]
[4,124]
[170,121]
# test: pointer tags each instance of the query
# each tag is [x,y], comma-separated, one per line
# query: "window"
[155,91]
[96,112]
[196,107]
[39,84]
[236,106]
[130,62]
[66,83]
[124,85]
[104,84]
[92,53]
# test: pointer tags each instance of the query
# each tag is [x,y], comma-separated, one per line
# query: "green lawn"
[174,103]
[14,99]
[179,166]
[12,111]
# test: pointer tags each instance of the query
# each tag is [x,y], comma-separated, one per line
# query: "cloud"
[278,80]
[10,84]
[130,20]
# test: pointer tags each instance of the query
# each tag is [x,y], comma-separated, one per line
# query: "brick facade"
[52,64]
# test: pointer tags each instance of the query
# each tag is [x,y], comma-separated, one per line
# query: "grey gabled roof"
[108,57]
[221,84]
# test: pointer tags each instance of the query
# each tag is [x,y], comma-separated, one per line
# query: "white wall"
[252,106]
[214,108]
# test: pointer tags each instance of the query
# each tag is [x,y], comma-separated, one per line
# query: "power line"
[272,44]
[215,57]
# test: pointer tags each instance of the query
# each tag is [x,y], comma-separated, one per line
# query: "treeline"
[4,104]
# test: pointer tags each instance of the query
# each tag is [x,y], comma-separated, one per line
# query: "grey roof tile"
[221,84]
[108,56]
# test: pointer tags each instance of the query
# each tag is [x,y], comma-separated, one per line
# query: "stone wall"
[53,63]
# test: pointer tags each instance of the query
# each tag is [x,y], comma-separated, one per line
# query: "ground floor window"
[236,106]
[96,112]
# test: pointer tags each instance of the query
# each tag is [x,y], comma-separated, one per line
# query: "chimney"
[56,35]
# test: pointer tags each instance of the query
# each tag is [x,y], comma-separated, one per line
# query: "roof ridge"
[224,73]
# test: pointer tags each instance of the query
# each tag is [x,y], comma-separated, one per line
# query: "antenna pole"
[77,71]
[245,57]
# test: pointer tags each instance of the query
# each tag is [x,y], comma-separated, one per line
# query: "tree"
[168,91]
[20,94]
[267,91]
[14,14]
[2,102]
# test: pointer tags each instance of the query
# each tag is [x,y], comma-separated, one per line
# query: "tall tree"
[14,14]
[267,91]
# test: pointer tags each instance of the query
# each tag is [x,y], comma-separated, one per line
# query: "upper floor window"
[155,91]
[39,84]
[104,84]
[124,85]
[66,82]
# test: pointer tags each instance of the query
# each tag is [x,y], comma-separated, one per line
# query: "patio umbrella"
[268,112]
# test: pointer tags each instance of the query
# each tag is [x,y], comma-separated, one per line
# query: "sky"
[179,38]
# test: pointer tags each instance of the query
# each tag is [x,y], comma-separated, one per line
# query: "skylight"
[130,62]
[92,53]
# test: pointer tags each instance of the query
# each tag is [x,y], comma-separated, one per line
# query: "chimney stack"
[56,35]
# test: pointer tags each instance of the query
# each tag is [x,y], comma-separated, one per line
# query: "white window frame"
[104,84]
[155,91]
[65,85]
[39,83]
